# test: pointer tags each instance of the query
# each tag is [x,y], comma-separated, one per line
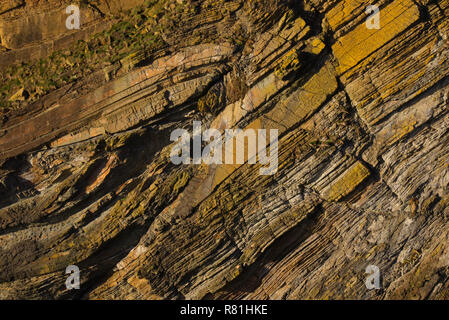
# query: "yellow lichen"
[347,182]
[287,64]
[181,182]
[358,44]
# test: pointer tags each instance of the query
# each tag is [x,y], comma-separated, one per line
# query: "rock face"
[363,152]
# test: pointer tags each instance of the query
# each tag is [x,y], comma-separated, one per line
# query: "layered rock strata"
[363,169]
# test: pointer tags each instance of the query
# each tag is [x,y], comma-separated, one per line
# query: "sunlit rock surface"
[363,171]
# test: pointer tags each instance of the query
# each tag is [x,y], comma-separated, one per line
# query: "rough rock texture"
[362,114]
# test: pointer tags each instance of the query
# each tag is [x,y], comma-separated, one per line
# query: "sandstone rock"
[20,95]
[363,170]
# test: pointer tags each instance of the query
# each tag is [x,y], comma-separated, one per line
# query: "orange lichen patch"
[355,46]
[304,101]
[342,13]
[103,174]
[347,182]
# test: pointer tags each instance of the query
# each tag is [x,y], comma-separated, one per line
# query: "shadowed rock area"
[363,153]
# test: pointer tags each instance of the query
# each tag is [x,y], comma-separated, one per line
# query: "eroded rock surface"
[363,120]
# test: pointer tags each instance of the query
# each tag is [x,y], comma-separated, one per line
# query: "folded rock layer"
[362,179]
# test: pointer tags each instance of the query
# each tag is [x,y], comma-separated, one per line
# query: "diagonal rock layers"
[363,151]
